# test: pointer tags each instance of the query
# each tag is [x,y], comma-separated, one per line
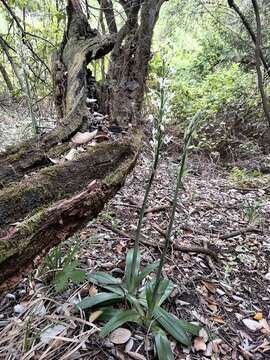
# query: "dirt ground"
[224,285]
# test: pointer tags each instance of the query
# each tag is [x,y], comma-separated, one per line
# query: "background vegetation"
[208,53]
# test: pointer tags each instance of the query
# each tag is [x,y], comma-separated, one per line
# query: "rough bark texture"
[45,228]
[42,203]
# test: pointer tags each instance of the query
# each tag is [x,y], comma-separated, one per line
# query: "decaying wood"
[43,203]
[60,181]
[47,227]
[241,232]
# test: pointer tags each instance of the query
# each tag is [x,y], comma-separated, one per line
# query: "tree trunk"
[7,79]
[43,203]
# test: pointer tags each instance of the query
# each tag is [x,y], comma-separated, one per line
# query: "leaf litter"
[230,297]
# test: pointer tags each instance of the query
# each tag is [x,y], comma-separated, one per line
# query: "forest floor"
[224,285]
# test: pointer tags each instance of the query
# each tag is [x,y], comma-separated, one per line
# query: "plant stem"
[150,182]
[265,100]
[179,183]
[27,92]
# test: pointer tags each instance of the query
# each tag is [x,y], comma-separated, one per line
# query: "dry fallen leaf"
[120,336]
[203,333]
[95,315]
[215,345]
[258,316]
[209,350]
[71,154]
[93,290]
[210,286]
[136,356]
[212,307]
[83,138]
[119,355]
[57,161]
[120,247]
[252,324]
[217,319]
[49,334]
[129,345]
[267,276]
[265,327]
[199,344]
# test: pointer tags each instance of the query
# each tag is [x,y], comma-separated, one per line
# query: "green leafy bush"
[216,91]
[64,269]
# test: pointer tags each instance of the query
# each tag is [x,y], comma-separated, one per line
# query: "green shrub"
[216,91]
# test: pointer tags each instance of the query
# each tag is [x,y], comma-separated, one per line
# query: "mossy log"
[42,203]
[26,241]
[60,181]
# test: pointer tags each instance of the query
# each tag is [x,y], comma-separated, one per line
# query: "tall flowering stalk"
[158,143]
[181,172]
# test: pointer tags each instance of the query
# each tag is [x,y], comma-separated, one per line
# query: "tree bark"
[12,63]
[251,33]
[7,79]
[42,203]
[265,100]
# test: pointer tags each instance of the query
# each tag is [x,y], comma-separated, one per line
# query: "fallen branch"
[184,249]
[156,209]
[240,232]
[148,210]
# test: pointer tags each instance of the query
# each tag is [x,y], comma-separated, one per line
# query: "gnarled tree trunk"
[43,202]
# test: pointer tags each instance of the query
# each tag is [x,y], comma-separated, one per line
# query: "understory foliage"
[139,294]
[212,69]
[37,26]
[63,269]
[202,71]
[209,54]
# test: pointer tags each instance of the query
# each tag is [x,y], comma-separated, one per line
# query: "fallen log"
[34,236]
[60,181]
[43,203]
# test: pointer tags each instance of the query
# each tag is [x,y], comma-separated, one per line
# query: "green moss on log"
[59,181]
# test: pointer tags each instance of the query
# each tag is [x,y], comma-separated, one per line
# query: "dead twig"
[115,230]
[184,249]
[240,232]
[156,209]
[149,210]
[209,260]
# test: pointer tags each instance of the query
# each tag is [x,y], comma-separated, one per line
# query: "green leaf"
[164,291]
[108,313]
[61,281]
[179,329]
[149,295]
[100,278]
[119,319]
[78,276]
[69,272]
[130,279]
[135,303]
[176,327]
[98,299]
[69,258]
[146,271]
[187,326]
[162,344]
[114,289]
[106,281]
